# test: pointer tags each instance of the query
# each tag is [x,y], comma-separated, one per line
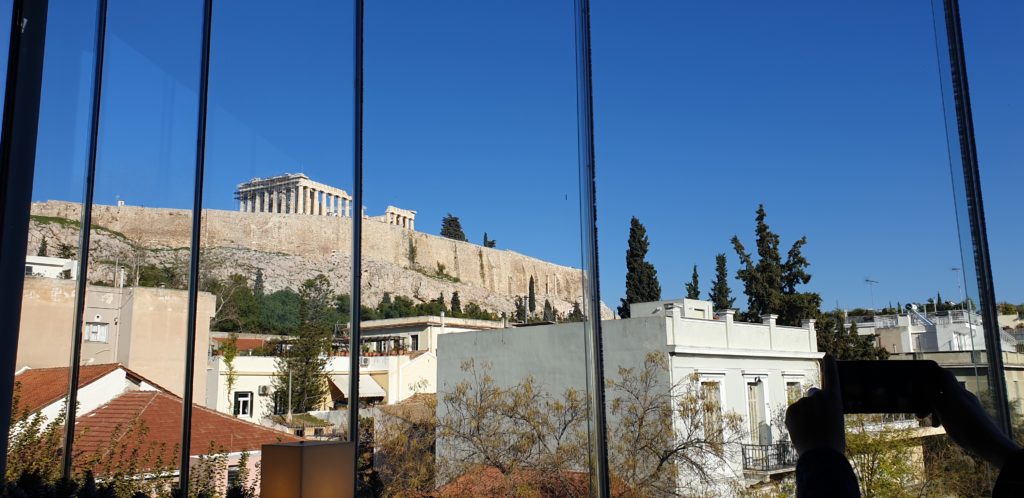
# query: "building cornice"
[760,353]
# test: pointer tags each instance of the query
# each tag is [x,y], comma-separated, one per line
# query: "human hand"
[816,421]
[967,422]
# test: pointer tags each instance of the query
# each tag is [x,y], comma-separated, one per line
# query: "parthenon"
[292,194]
[295,193]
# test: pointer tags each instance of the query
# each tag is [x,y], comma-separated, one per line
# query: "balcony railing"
[769,457]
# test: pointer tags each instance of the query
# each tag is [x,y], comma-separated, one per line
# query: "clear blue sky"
[829,114]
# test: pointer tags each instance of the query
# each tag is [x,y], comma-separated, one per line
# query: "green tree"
[257,284]
[882,457]
[489,242]
[520,309]
[42,248]
[576,314]
[846,343]
[720,294]
[316,302]
[451,228]
[693,286]
[237,308]
[549,312]
[532,297]
[641,277]
[456,304]
[305,362]
[771,284]
[279,312]
[65,251]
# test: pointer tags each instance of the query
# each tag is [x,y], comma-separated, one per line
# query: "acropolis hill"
[292,247]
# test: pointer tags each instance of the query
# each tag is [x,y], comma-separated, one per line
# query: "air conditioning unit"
[264,390]
[364,361]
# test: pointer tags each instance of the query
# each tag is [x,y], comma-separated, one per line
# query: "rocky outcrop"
[291,248]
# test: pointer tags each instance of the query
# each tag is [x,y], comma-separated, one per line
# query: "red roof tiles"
[40,387]
[104,429]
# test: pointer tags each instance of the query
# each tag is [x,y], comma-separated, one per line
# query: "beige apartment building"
[142,328]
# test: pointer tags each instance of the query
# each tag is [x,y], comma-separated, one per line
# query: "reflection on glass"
[136,307]
[274,255]
[36,435]
[472,292]
[990,35]
[776,199]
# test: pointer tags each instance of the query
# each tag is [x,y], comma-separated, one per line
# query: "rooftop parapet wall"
[323,239]
[723,332]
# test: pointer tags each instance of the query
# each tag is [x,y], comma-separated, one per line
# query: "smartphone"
[888,386]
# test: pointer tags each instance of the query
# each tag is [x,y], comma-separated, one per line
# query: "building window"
[243,404]
[415,343]
[96,332]
[759,430]
[233,477]
[793,391]
[712,411]
[28,270]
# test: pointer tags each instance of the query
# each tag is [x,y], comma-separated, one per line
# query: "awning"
[368,388]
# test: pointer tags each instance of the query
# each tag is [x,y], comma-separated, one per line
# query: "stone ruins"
[295,193]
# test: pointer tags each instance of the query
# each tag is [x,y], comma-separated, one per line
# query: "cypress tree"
[257,284]
[456,304]
[720,293]
[451,228]
[520,312]
[693,286]
[641,277]
[770,284]
[489,242]
[576,314]
[549,311]
[42,248]
[532,297]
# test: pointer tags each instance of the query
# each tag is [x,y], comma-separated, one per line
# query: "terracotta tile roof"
[160,414]
[242,343]
[40,387]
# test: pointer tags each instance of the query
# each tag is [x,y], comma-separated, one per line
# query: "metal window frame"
[17,163]
[948,28]
[17,166]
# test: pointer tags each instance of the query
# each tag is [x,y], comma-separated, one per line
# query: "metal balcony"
[769,457]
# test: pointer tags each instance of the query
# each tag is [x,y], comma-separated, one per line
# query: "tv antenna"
[871,285]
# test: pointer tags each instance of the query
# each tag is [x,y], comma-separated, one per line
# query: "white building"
[43,266]
[756,369]
[382,379]
[954,330]
[419,333]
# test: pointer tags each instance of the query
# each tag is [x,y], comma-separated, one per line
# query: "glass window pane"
[471,249]
[36,435]
[275,257]
[779,184]
[136,307]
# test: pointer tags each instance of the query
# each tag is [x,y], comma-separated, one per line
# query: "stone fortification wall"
[326,242]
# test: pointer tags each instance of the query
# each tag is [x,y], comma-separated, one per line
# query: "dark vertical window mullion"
[588,232]
[84,241]
[357,239]
[17,167]
[193,274]
[976,213]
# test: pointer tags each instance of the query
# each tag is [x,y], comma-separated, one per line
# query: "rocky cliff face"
[291,248]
